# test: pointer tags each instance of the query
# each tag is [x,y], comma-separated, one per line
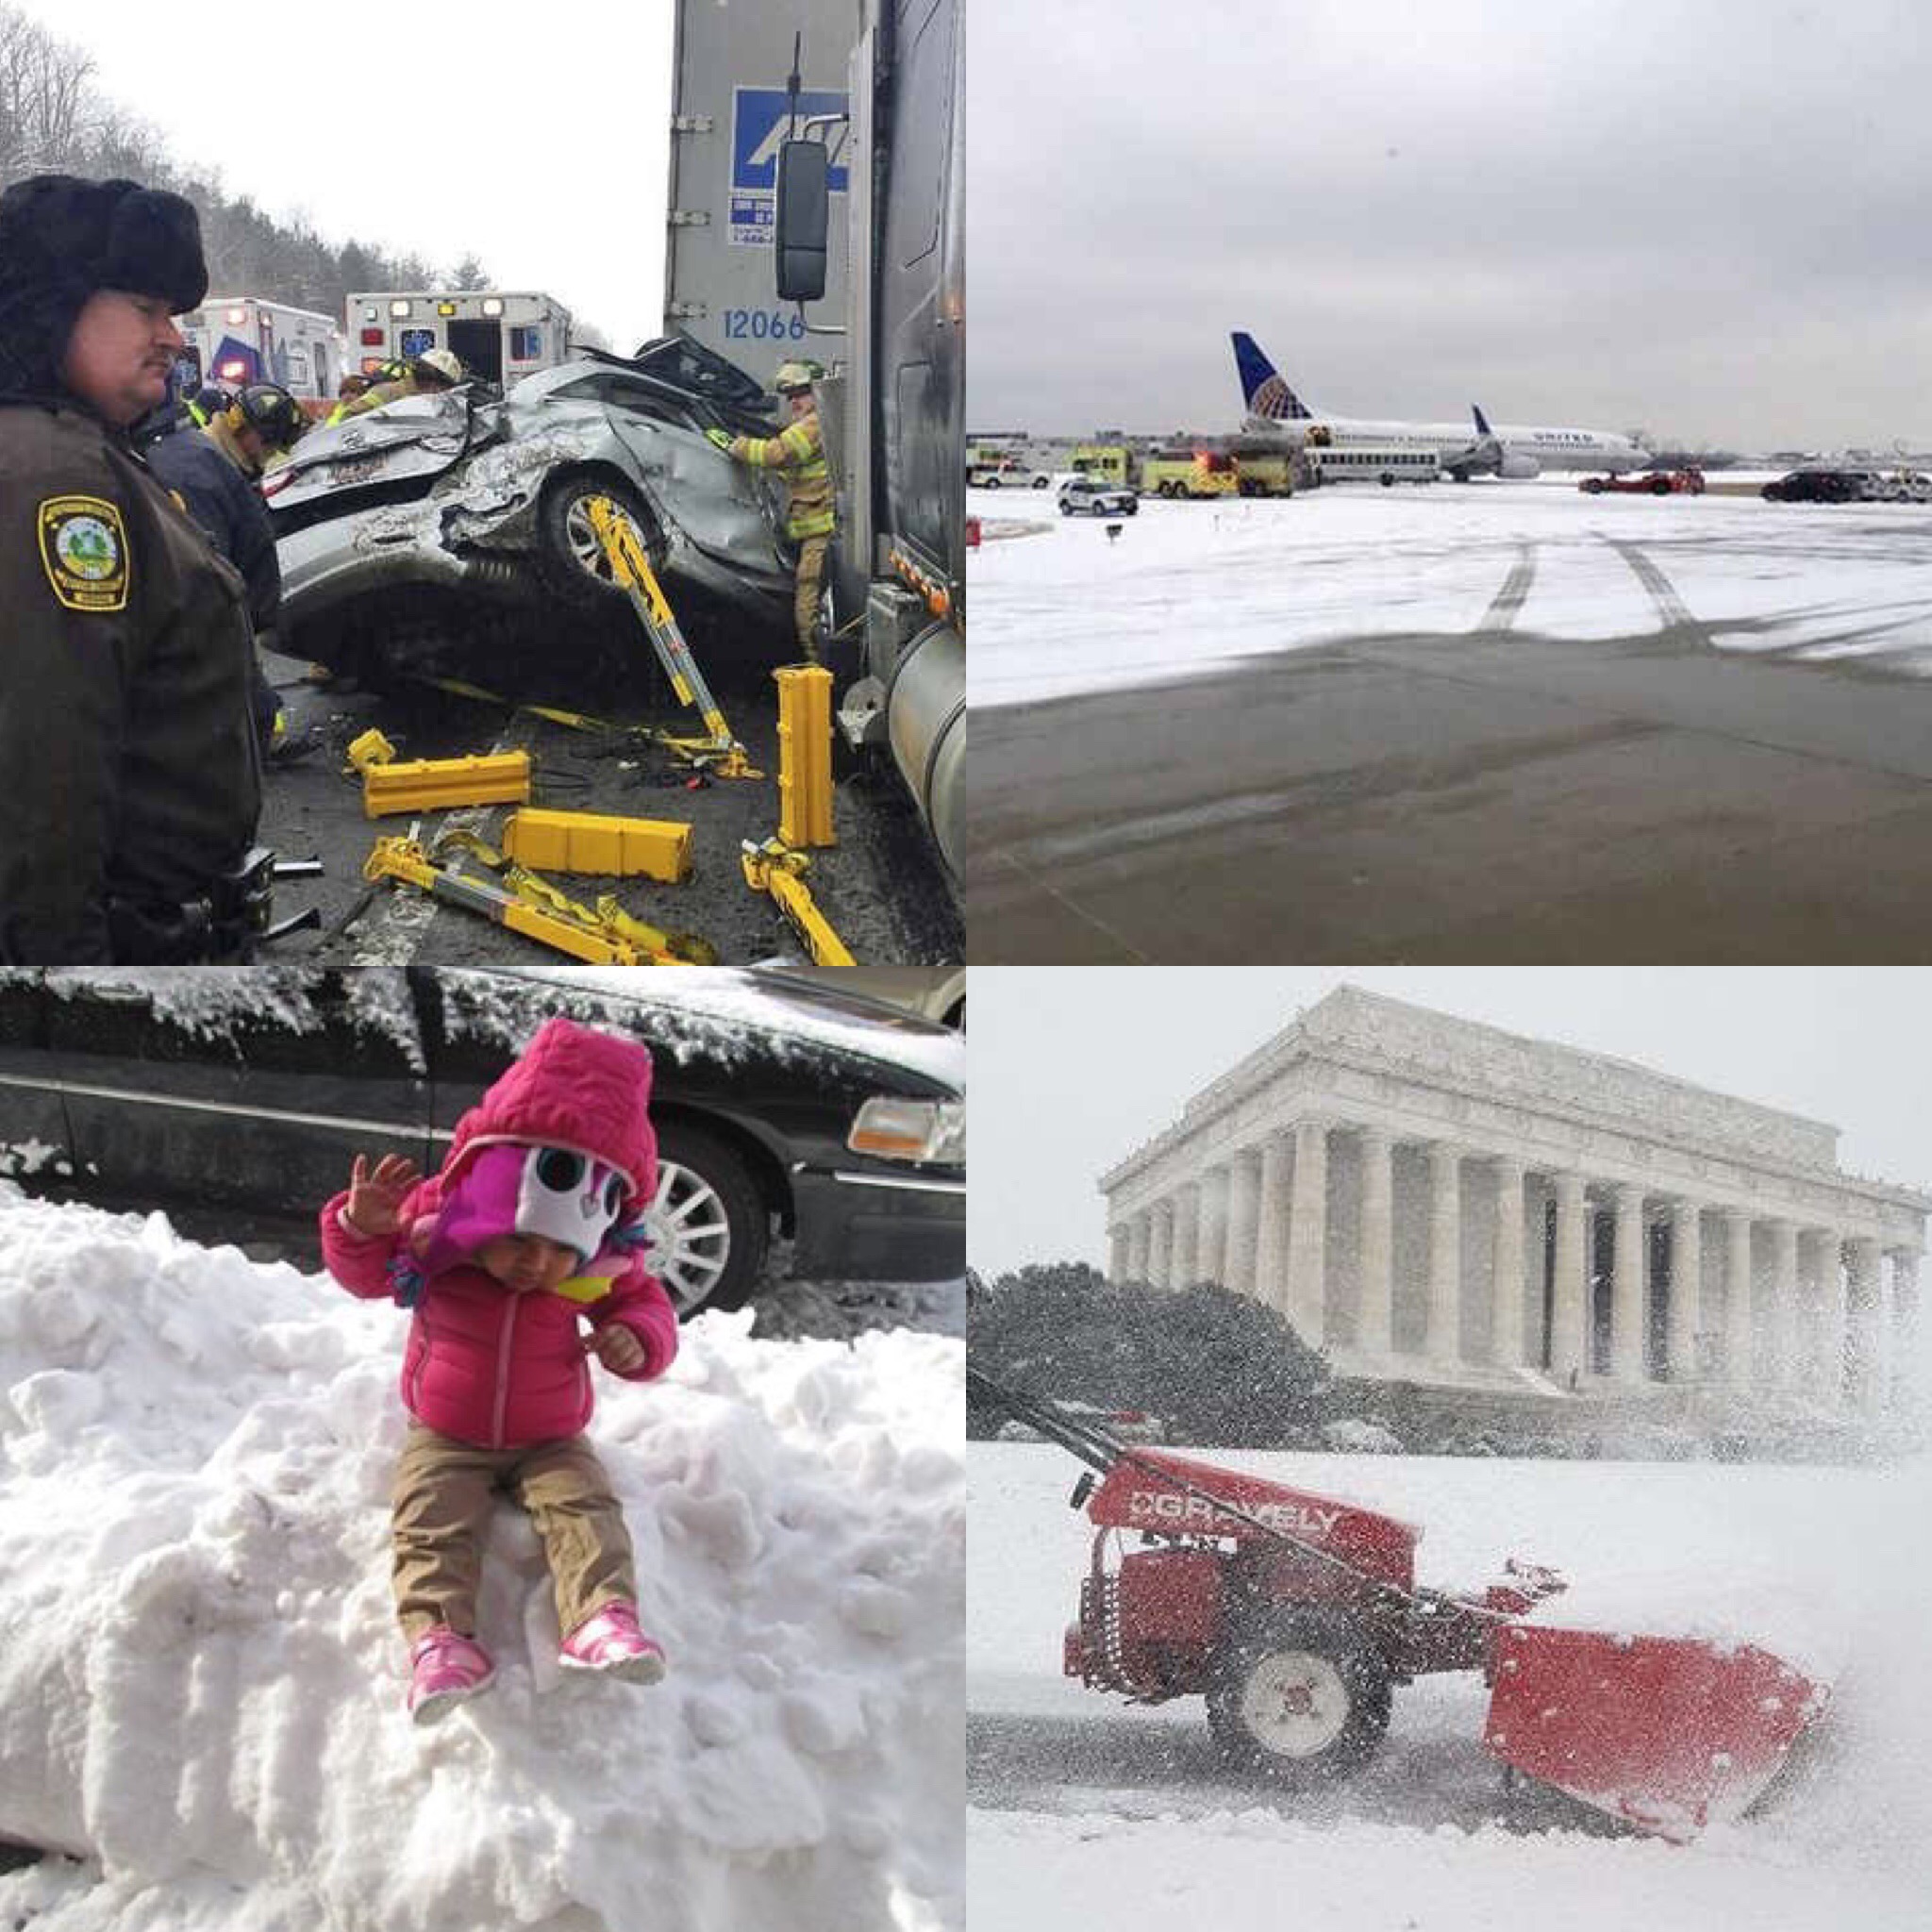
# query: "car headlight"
[893,1129]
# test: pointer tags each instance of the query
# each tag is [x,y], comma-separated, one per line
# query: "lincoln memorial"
[1438,1202]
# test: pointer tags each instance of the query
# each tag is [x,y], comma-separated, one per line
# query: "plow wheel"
[1301,1697]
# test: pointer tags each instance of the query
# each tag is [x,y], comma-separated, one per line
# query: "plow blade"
[1669,1734]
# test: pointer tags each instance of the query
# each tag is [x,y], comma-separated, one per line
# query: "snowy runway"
[1482,726]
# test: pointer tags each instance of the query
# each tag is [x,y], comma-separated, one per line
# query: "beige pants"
[445,1491]
[804,602]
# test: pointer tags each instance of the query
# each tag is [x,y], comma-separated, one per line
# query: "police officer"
[798,452]
[214,470]
[124,680]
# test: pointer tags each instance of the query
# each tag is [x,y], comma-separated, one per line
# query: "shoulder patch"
[84,552]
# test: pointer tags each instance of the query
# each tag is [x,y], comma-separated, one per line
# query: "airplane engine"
[1517,467]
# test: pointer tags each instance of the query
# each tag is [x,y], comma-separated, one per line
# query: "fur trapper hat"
[62,238]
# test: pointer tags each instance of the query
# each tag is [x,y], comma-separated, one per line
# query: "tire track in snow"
[1509,600]
[1671,608]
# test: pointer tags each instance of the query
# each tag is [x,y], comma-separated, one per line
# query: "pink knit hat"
[560,1145]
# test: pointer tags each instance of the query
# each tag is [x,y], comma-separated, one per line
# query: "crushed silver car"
[471,493]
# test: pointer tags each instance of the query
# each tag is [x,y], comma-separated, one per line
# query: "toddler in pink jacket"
[531,1230]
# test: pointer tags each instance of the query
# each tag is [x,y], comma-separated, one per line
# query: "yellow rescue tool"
[623,544]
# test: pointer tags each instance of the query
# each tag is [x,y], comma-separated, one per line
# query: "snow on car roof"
[697,1010]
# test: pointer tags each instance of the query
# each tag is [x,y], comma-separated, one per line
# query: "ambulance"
[496,333]
[233,340]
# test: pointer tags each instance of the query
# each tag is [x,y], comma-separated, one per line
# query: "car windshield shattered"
[390,522]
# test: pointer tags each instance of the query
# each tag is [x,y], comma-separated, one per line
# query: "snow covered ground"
[1090,1811]
[1063,608]
[201,1682]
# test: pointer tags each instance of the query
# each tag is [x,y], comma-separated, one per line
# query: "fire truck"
[232,340]
[497,333]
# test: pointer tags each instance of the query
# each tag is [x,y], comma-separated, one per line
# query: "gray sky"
[540,140]
[1705,221]
[1071,1069]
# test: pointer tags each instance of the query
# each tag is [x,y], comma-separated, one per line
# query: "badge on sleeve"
[84,551]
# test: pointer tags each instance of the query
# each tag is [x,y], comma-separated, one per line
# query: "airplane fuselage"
[1551,448]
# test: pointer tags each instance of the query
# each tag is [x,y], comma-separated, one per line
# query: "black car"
[1820,485]
[781,1106]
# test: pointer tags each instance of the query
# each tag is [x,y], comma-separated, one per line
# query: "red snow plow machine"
[1296,1616]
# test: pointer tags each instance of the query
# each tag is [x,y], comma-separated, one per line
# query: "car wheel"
[708,1224]
[990,483]
[1592,486]
[573,558]
[1040,482]
[1066,510]
[1301,1697]
[1661,487]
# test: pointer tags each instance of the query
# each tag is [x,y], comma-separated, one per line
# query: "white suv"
[1090,496]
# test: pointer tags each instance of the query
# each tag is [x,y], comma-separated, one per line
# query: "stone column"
[1271,1246]
[1569,1298]
[1243,1200]
[1736,1298]
[1139,1230]
[1868,1321]
[1160,1244]
[1784,1304]
[1119,1246]
[1907,1373]
[1374,1329]
[1307,1233]
[1687,1290]
[1443,1336]
[1627,1310]
[1832,1320]
[1210,1257]
[1505,1272]
[1186,1234]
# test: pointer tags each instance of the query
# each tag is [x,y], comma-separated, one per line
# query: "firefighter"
[123,683]
[432,372]
[214,471]
[798,452]
[351,387]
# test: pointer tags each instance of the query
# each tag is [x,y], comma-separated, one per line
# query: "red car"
[1652,483]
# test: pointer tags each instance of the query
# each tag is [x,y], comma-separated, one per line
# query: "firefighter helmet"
[271,411]
[443,362]
[793,379]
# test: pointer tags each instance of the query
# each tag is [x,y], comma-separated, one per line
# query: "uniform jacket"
[230,509]
[798,450]
[484,1364]
[124,689]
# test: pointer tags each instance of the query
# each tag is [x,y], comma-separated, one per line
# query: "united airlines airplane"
[1273,408]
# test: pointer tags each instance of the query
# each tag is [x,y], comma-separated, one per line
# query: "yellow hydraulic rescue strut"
[403,859]
[776,868]
[624,548]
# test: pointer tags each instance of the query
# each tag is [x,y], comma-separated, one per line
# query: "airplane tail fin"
[1482,422]
[1262,389]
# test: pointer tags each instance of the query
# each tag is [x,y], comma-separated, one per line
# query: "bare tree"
[43,98]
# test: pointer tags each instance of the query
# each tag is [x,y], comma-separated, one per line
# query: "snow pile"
[201,1680]
[1087,1810]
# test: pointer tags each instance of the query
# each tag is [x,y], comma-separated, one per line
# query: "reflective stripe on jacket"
[799,453]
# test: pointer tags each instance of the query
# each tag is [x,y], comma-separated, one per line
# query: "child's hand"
[375,1196]
[617,1347]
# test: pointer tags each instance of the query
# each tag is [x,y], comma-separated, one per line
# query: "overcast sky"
[538,140]
[1074,1069]
[1705,221]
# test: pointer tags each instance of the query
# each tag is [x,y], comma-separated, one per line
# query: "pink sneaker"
[609,1640]
[446,1668]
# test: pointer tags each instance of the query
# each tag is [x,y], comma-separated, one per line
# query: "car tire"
[1040,482]
[1066,510]
[1301,1697]
[1592,486]
[709,1223]
[990,483]
[568,545]
[1661,487]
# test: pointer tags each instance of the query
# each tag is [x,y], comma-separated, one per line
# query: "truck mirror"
[803,200]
